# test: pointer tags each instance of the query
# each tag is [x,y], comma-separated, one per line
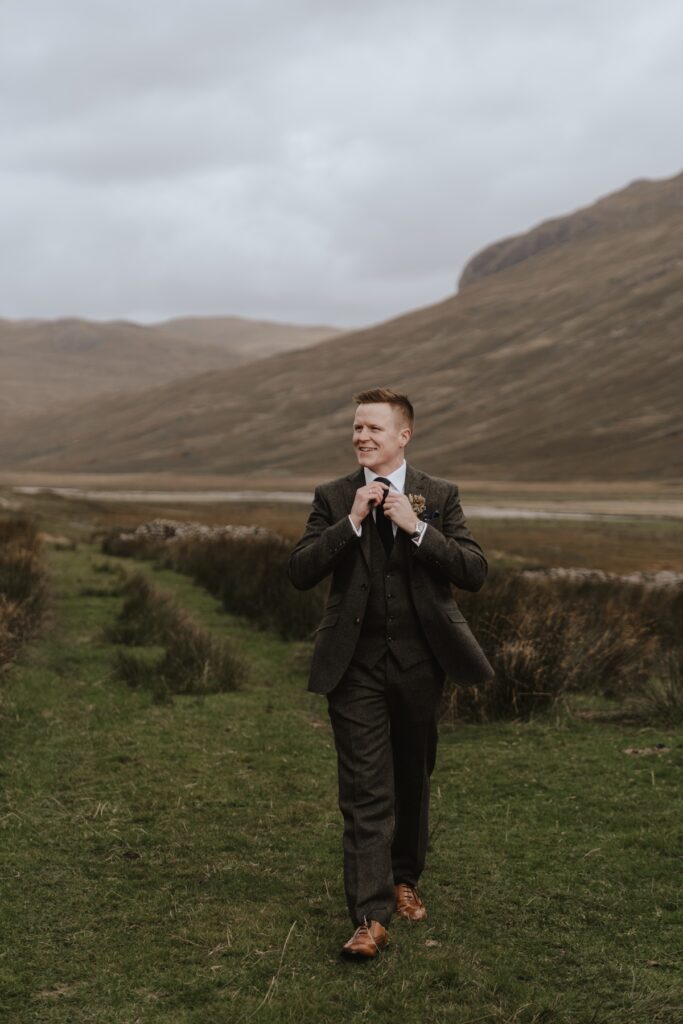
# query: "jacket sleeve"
[454,553]
[322,545]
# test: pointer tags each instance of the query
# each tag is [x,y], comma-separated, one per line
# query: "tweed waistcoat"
[390,623]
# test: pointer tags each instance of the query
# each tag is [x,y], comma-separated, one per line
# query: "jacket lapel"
[416,483]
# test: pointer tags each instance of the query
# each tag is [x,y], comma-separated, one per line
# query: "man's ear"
[406,435]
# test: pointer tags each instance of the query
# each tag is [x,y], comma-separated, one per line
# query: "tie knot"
[382,480]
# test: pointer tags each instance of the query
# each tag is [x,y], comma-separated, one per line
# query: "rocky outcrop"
[640,204]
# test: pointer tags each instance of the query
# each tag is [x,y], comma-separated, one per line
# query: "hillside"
[566,363]
[245,340]
[48,364]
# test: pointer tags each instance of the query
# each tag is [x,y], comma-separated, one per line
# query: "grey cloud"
[310,160]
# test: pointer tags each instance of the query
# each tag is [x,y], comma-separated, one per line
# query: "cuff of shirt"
[357,529]
[418,540]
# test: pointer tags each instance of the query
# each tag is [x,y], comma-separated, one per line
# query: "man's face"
[379,436]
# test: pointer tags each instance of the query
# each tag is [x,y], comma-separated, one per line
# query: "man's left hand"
[398,509]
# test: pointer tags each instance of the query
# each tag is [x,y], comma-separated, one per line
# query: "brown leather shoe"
[366,942]
[408,903]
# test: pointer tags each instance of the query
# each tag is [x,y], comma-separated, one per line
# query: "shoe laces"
[364,929]
[407,892]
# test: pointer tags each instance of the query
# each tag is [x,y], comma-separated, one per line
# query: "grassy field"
[179,860]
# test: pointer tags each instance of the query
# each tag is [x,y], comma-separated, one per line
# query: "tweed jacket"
[448,554]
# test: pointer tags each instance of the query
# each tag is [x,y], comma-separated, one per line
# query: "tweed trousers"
[384,721]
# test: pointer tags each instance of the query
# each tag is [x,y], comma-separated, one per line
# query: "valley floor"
[180,862]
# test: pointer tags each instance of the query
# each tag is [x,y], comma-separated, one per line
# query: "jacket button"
[357,621]
[363,586]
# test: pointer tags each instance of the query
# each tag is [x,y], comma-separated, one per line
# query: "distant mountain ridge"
[47,364]
[563,364]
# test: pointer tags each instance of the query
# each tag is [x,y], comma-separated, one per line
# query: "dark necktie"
[384,525]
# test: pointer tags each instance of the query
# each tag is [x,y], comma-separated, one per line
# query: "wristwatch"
[419,530]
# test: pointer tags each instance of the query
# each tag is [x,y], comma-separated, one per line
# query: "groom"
[394,540]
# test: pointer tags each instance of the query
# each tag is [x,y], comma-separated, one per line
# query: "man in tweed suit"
[394,541]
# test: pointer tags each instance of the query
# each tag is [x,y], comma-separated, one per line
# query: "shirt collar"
[397,479]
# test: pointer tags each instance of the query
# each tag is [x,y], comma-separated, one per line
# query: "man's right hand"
[366,499]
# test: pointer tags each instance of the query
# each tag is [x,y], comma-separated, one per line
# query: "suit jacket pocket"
[328,620]
[455,615]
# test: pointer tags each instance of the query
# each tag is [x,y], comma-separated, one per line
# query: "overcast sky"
[320,161]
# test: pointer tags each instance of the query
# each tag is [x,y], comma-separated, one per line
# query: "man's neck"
[386,470]
[395,475]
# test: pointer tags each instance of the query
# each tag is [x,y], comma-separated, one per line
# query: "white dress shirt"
[397,480]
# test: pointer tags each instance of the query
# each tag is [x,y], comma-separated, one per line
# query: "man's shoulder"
[437,483]
[355,478]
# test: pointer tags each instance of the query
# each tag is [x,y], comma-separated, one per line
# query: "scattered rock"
[61,543]
[659,748]
[173,529]
[9,505]
[650,580]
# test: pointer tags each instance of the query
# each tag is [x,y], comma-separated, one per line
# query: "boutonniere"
[419,507]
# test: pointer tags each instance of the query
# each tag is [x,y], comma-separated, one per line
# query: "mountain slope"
[566,364]
[244,339]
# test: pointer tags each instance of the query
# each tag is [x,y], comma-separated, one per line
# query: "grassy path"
[181,862]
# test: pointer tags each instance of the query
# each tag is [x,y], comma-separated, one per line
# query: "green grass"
[181,862]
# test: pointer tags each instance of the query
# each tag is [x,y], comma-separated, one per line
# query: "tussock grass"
[546,637]
[22,584]
[247,575]
[147,615]
[661,698]
[193,661]
[550,638]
